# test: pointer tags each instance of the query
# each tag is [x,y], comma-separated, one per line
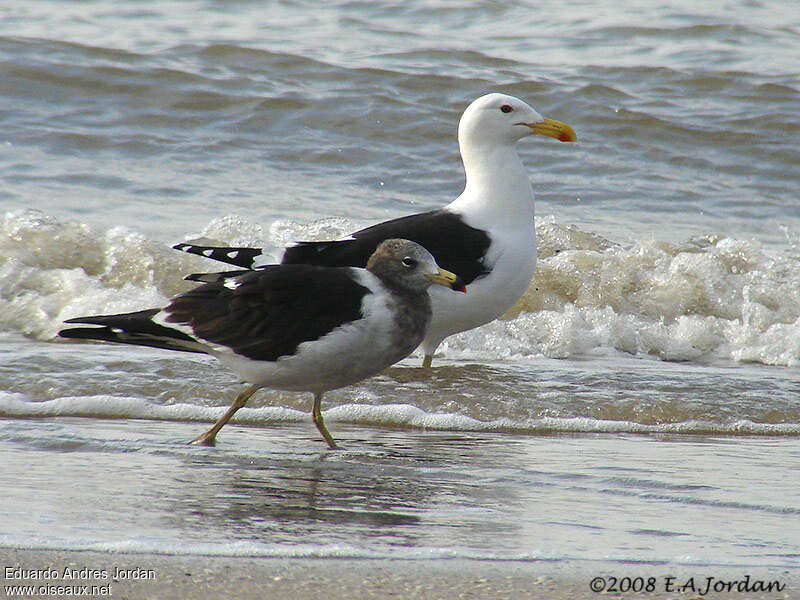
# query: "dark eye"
[506,108]
[409,262]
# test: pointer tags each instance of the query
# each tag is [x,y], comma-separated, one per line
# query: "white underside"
[344,356]
[513,256]
[499,200]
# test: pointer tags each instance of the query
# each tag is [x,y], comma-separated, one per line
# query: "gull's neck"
[497,187]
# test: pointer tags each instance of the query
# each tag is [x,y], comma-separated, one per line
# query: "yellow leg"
[209,437]
[316,415]
[427,360]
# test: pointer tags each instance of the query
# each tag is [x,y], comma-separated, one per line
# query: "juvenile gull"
[486,235]
[293,327]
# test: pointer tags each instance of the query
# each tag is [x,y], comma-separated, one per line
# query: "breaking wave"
[709,298]
[385,415]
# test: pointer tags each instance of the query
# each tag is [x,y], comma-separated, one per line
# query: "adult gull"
[486,235]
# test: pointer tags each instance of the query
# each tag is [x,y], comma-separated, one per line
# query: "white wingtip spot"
[208,252]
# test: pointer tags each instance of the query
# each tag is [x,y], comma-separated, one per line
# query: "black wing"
[267,313]
[455,245]
[239,257]
[216,277]
[131,328]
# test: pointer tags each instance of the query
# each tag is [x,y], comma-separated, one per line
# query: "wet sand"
[166,576]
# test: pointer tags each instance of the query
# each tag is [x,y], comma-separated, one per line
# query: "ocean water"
[640,402]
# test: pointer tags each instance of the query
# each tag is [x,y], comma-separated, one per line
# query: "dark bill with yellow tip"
[554,129]
[448,279]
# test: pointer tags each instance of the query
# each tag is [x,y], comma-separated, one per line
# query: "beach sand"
[180,577]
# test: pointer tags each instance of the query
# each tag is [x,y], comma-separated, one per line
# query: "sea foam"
[709,298]
[385,415]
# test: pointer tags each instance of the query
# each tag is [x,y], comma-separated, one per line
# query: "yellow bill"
[554,129]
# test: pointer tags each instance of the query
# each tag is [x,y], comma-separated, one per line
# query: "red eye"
[506,108]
